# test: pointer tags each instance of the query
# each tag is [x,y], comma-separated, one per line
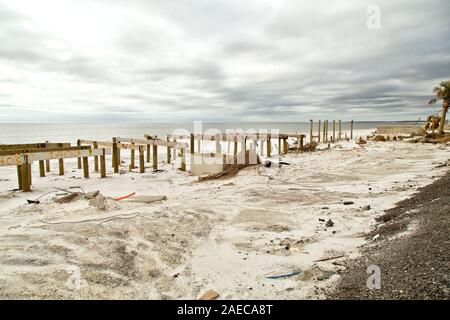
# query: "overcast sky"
[229,60]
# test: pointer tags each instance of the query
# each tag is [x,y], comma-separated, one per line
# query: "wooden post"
[246,155]
[279,146]
[192,143]
[141,159]
[328,136]
[26,177]
[235,149]
[115,163]
[79,159]
[132,154]
[148,153]
[340,133]
[334,130]
[85,167]
[318,132]
[118,155]
[47,162]
[95,157]
[155,157]
[19,176]
[41,168]
[310,131]
[218,145]
[174,150]
[61,167]
[103,165]
[351,130]
[269,145]
[183,158]
[301,143]
[168,150]
[285,146]
[324,131]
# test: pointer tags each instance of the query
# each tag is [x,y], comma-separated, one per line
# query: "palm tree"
[442,93]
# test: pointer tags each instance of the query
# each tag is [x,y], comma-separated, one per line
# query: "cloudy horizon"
[223,60]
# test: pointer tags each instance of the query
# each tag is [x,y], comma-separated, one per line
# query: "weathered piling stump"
[103,165]
[141,160]
[334,130]
[47,162]
[183,158]
[26,177]
[19,176]
[132,155]
[174,150]
[95,157]
[85,167]
[41,168]
[168,150]
[61,166]
[235,149]
[79,159]
[318,132]
[351,130]
[155,157]
[192,143]
[115,162]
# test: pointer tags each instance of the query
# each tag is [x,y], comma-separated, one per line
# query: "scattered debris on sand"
[209,295]
[98,202]
[379,138]
[71,197]
[146,198]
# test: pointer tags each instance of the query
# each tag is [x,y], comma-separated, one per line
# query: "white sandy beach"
[227,235]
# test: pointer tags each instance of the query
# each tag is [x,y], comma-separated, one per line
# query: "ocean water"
[70,132]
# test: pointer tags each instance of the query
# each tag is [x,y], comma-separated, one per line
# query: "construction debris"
[282,276]
[147,199]
[125,197]
[98,202]
[379,138]
[209,295]
[230,171]
[325,275]
[310,146]
[330,258]
[361,141]
[309,273]
[91,195]
[69,198]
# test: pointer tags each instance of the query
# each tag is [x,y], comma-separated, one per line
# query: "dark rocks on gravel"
[415,265]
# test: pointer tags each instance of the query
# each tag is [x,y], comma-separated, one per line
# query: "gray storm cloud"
[218,60]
